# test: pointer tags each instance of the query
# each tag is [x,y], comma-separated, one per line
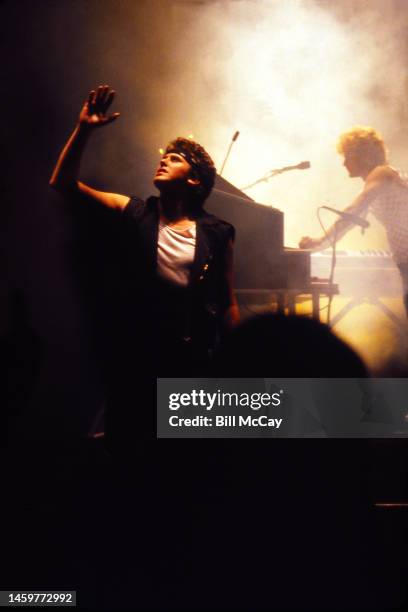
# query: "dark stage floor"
[288,525]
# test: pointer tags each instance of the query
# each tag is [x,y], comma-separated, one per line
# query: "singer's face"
[353,164]
[173,168]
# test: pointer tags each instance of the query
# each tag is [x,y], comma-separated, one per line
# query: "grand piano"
[261,262]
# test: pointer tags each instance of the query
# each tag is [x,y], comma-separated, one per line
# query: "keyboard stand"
[357,301]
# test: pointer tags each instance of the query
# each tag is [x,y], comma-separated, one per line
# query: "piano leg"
[291,302]
[280,302]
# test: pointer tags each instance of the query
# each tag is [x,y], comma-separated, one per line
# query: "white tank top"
[175,253]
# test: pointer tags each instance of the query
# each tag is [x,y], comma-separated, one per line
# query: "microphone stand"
[228,152]
[333,261]
[331,277]
[355,301]
[265,178]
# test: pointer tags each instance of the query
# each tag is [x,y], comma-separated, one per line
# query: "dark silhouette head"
[293,347]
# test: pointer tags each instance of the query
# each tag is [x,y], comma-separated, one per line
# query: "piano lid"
[259,236]
[223,187]
[228,191]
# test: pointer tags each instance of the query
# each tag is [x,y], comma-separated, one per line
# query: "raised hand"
[94,111]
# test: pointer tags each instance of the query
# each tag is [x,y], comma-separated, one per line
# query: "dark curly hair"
[201,163]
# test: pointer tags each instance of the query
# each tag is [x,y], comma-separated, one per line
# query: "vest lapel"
[204,248]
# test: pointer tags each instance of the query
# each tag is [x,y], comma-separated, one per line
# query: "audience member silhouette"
[286,346]
[20,358]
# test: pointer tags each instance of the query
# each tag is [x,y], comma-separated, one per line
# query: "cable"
[333,260]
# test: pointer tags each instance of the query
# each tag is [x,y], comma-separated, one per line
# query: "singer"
[177,265]
[385,194]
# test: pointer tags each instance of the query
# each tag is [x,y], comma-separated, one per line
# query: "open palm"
[94,111]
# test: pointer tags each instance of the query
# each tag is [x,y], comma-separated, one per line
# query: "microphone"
[349,217]
[302,166]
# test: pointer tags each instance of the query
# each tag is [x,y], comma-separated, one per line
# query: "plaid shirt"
[390,207]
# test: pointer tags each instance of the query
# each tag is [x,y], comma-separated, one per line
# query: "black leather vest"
[207,292]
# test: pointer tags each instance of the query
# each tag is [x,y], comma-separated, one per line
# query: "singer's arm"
[94,114]
[376,181]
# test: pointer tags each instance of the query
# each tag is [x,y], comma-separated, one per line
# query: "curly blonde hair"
[365,142]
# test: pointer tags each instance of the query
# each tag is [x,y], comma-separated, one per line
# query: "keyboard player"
[385,194]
